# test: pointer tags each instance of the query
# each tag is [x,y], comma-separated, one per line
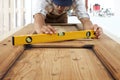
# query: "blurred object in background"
[105,12]
[96,7]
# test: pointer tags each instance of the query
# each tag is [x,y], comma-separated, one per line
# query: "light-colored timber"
[9,53]
[58,64]
[96,59]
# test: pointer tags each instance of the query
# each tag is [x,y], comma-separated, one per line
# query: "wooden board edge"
[12,52]
[8,63]
[106,60]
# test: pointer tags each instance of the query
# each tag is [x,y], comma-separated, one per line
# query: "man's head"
[63,2]
[61,6]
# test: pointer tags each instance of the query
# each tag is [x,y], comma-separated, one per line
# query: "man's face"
[60,9]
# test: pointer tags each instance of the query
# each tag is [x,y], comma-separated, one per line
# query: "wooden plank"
[9,53]
[106,49]
[58,64]
[66,44]
[77,26]
[108,52]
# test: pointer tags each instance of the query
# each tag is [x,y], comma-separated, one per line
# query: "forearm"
[38,22]
[87,24]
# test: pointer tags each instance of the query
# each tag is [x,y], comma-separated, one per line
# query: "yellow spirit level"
[42,38]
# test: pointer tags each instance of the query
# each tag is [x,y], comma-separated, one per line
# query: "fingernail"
[51,32]
[46,32]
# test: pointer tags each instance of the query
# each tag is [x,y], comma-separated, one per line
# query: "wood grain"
[9,53]
[31,67]
[105,48]
[58,64]
[108,52]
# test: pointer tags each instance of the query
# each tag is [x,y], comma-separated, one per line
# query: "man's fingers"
[52,29]
[95,27]
[98,31]
[43,30]
[47,30]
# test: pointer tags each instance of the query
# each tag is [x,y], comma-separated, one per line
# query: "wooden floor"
[97,59]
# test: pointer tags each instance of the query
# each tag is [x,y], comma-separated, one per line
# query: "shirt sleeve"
[39,7]
[80,9]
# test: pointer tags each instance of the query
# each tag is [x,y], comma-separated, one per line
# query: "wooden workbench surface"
[96,59]
[58,64]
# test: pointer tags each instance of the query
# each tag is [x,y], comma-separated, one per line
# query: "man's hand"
[47,29]
[98,30]
[40,25]
[87,24]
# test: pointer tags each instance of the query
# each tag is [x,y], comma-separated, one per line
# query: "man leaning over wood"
[55,11]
